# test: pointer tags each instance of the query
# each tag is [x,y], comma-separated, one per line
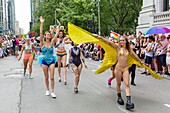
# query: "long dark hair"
[62,32]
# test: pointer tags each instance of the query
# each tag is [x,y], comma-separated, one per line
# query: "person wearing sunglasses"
[121,68]
[49,57]
[76,57]
[28,57]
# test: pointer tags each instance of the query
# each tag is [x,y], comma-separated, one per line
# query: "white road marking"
[99,92]
[123,110]
[167,105]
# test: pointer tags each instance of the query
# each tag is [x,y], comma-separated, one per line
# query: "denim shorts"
[148,60]
[162,59]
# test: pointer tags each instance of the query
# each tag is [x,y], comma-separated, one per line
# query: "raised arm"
[57,33]
[107,41]
[41,31]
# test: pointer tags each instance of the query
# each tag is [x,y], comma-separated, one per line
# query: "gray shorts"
[16,48]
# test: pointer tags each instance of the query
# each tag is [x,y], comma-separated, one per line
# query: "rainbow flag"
[114,35]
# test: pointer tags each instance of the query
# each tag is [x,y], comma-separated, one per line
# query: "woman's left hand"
[85,66]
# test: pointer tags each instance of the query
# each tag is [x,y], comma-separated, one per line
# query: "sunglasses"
[122,40]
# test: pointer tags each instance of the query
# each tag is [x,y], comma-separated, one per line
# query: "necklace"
[76,51]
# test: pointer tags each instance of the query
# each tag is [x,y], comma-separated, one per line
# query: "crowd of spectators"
[154,50]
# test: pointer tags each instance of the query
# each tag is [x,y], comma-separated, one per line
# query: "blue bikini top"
[48,54]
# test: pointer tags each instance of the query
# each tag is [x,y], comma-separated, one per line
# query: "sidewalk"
[140,70]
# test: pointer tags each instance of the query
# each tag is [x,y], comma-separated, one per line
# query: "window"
[165,5]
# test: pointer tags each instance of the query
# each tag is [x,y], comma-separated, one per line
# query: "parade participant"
[48,58]
[62,55]
[76,56]
[68,47]
[121,55]
[121,69]
[28,58]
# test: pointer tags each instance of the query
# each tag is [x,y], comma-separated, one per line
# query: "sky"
[23,13]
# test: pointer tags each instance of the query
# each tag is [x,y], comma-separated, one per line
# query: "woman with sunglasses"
[121,69]
[76,57]
[49,58]
[28,57]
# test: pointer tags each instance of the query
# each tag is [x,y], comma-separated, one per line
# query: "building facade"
[154,13]
[11,16]
[21,31]
[3,16]
[17,28]
[34,7]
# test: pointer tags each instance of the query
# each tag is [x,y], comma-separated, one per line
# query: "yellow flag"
[79,35]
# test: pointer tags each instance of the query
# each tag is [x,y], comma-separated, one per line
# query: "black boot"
[120,100]
[129,105]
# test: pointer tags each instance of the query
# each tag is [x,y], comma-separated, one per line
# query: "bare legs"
[111,78]
[25,65]
[63,59]
[77,72]
[45,70]
[126,77]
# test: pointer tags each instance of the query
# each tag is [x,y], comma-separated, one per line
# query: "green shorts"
[16,48]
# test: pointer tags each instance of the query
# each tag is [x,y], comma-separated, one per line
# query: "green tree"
[75,11]
[116,15]
[119,15]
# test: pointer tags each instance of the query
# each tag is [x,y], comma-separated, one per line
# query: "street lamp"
[55,16]
[99,16]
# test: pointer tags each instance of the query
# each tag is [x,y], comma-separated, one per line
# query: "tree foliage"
[120,15]
[116,15]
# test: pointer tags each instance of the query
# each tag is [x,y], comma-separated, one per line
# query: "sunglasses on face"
[115,42]
[122,40]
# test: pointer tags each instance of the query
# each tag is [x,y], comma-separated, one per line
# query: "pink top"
[17,42]
[163,48]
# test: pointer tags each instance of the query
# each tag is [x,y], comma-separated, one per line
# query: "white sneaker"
[53,95]
[30,77]
[47,93]
[100,61]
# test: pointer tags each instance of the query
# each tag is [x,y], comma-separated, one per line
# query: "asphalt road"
[19,94]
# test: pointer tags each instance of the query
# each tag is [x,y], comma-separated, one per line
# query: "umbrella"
[157,30]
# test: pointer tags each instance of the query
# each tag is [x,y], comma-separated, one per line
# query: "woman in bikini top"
[121,69]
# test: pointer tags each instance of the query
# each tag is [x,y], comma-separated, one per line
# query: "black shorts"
[162,59]
[103,51]
[148,60]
